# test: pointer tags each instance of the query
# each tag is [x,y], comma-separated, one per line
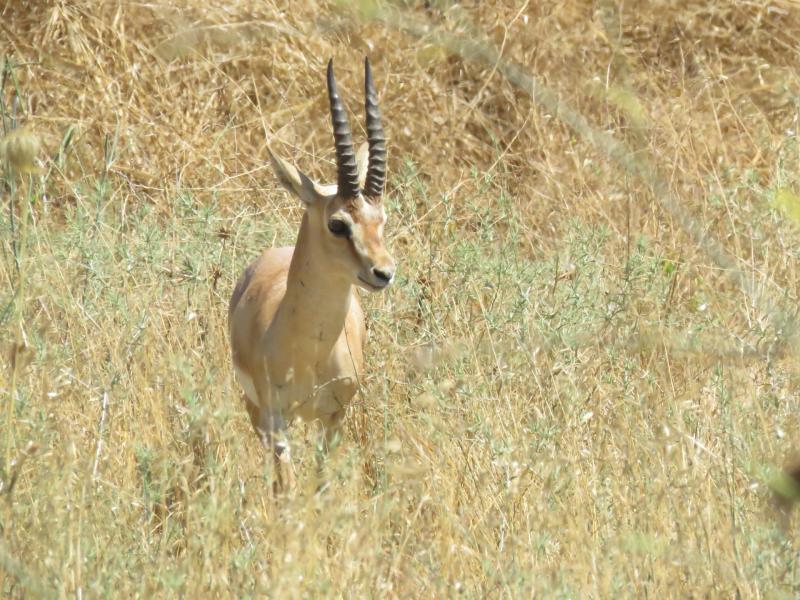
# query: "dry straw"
[541,417]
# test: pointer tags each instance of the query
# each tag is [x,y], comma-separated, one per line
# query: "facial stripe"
[365,247]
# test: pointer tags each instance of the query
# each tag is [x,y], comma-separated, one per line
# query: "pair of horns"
[347,171]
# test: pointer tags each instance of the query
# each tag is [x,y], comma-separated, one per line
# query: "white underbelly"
[247,385]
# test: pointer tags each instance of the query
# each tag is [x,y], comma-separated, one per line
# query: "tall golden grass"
[583,384]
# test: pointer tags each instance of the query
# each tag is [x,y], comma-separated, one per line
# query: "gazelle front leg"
[271,428]
[341,390]
[330,437]
[332,430]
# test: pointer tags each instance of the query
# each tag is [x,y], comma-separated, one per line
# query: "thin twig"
[101,429]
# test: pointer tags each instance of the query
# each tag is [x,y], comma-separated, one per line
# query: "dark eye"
[339,228]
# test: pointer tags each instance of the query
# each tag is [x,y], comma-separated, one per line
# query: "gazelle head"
[347,218]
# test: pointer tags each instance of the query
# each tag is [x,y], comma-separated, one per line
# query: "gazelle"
[297,330]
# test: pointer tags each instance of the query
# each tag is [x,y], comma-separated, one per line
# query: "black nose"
[383,275]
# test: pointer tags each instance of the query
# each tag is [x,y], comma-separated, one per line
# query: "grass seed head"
[21,148]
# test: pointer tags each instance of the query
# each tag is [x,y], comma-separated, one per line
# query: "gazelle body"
[296,326]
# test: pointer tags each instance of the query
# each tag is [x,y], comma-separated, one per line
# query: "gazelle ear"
[296,181]
[362,161]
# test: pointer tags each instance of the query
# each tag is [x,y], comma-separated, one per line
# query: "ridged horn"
[376,168]
[347,171]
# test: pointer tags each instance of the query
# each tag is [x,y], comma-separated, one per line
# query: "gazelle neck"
[317,297]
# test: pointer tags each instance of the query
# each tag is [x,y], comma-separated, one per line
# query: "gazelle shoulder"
[268,271]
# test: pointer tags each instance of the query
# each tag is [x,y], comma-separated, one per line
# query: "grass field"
[584,383]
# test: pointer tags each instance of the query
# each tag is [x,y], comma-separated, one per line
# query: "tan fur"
[296,326]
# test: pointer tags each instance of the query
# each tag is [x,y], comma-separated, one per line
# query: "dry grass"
[569,393]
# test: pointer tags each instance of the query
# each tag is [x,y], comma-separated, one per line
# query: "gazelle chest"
[310,386]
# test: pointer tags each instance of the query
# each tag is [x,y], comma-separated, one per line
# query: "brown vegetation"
[577,388]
